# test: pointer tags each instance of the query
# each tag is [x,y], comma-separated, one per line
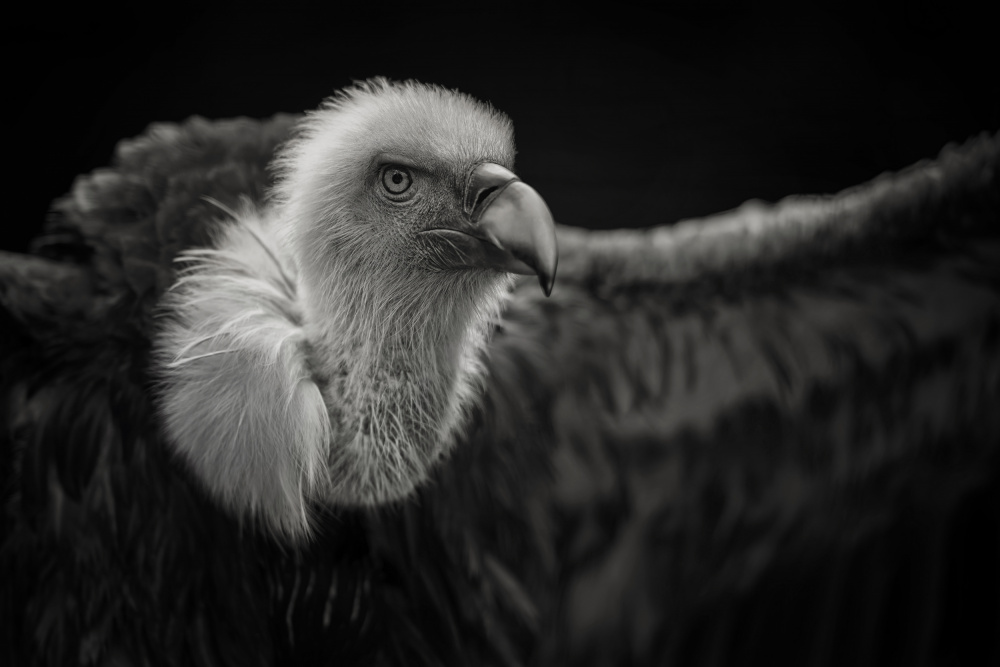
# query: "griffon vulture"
[278,392]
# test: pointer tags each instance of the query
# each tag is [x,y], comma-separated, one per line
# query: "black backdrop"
[624,117]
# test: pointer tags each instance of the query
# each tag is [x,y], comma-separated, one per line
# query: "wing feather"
[744,406]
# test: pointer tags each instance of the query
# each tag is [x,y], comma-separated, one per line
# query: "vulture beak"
[507,227]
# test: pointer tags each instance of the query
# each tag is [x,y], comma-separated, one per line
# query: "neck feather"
[280,387]
[397,358]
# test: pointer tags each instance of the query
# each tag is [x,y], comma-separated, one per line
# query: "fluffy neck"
[279,390]
[396,356]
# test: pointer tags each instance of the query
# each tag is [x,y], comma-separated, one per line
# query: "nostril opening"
[483,194]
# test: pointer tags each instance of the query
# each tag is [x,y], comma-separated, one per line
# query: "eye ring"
[396,180]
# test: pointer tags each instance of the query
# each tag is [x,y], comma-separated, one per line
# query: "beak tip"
[546,282]
[514,222]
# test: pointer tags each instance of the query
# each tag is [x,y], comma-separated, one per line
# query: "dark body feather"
[709,446]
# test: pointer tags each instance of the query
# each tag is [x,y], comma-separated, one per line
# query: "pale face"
[371,173]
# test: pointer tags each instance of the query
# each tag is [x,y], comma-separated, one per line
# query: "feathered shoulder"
[163,193]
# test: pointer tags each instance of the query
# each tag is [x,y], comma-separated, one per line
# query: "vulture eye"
[396,180]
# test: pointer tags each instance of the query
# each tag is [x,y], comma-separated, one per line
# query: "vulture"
[336,389]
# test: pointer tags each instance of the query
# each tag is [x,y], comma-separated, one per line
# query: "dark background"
[624,117]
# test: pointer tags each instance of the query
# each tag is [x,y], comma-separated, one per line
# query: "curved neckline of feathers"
[295,363]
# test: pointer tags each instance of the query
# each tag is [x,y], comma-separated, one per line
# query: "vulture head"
[327,348]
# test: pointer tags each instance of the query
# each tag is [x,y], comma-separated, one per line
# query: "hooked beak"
[507,227]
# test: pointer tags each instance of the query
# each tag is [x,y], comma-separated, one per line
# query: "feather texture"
[766,436]
[238,397]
